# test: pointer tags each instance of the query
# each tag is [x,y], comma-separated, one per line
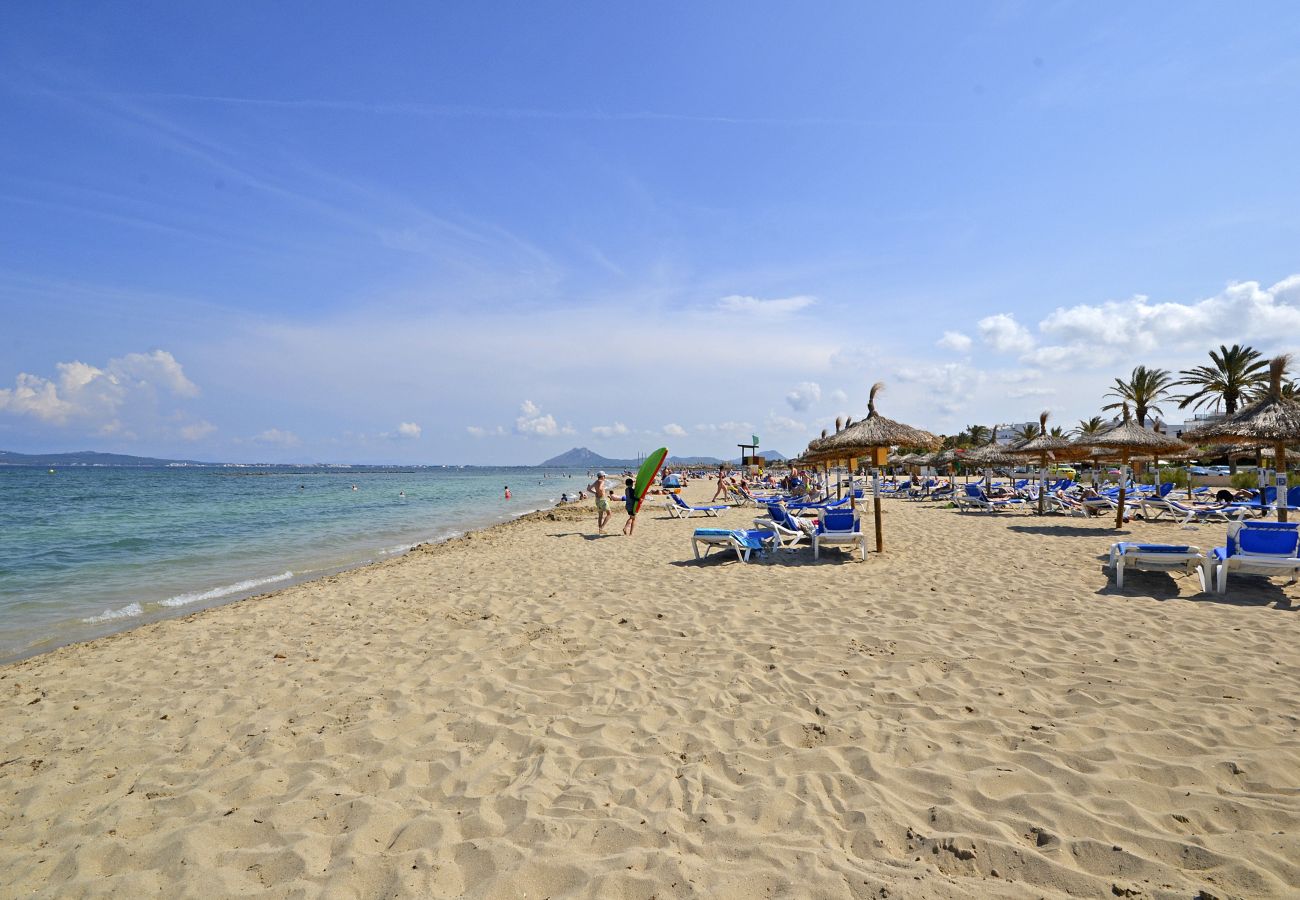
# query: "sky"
[474,233]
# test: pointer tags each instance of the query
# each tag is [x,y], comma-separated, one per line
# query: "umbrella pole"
[1280,451]
[1042,485]
[1119,511]
[880,538]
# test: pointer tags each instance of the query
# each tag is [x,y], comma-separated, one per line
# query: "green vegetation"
[1142,391]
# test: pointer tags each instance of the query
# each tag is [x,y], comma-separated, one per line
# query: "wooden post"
[880,534]
[1123,482]
[1280,451]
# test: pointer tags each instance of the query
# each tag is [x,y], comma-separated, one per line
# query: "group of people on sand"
[601,490]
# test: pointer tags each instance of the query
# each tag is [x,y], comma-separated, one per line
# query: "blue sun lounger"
[1258,548]
[758,540]
[680,509]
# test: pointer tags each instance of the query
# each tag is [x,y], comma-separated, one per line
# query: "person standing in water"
[601,490]
[507,492]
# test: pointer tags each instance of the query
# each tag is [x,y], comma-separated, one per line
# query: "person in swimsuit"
[601,490]
[630,503]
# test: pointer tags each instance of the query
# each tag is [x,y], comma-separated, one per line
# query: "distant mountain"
[89,458]
[769,455]
[582,458]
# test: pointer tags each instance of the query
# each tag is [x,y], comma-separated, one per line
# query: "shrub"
[1178,475]
[1245,479]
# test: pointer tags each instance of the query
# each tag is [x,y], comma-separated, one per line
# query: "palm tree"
[1142,391]
[1027,432]
[1236,371]
[1056,431]
[1088,427]
[978,435]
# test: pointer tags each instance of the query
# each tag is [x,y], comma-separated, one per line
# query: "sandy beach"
[538,711]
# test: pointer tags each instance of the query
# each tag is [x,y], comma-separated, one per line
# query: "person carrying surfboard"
[630,501]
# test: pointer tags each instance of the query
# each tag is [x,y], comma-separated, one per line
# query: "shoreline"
[532,708]
[167,610]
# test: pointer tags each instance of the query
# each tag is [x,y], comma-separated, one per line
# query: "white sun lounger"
[742,541]
[1160,558]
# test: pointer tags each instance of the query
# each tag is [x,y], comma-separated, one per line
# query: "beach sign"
[645,476]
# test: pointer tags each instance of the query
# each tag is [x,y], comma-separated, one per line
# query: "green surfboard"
[645,476]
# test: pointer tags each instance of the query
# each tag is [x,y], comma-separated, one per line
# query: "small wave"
[127,612]
[400,548]
[237,587]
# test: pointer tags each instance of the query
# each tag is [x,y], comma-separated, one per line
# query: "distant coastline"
[577,458]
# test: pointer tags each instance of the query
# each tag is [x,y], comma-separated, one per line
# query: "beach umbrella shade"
[944,459]
[1126,440]
[867,435]
[1041,447]
[1271,421]
[990,455]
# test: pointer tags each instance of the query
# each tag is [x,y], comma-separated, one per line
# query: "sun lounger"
[1154,508]
[975,498]
[744,542]
[788,529]
[680,509]
[1158,557]
[1258,548]
[839,526]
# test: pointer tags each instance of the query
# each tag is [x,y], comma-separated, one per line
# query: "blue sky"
[438,233]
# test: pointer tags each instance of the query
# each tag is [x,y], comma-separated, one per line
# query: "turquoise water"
[89,551]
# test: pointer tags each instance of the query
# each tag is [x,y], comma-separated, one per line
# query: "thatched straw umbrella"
[987,456]
[866,435]
[1126,440]
[1271,421]
[1040,448]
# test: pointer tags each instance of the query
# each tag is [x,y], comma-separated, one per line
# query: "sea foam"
[126,612]
[226,590]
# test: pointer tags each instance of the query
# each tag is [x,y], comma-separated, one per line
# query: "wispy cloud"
[515,113]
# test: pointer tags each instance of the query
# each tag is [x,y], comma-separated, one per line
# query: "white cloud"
[672,429]
[740,428]
[1017,393]
[409,430]
[948,388]
[1004,334]
[784,424]
[839,396]
[82,392]
[532,421]
[767,309]
[804,395]
[955,340]
[276,437]
[196,431]
[1246,312]
[609,430]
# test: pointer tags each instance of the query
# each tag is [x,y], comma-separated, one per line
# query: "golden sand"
[535,711]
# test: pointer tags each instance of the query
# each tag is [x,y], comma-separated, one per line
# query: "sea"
[88,551]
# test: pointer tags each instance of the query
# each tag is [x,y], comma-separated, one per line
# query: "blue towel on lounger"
[1155,548]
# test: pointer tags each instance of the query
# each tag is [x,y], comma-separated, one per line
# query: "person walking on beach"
[722,484]
[630,501]
[601,491]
